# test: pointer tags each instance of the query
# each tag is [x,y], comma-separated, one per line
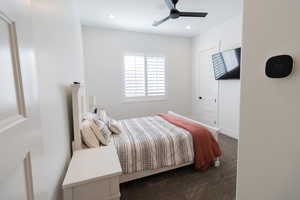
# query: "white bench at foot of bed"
[213,130]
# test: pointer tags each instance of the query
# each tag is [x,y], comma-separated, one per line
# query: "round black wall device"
[279,66]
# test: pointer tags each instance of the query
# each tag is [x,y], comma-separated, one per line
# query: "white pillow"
[115,126]
[90,116]
[88,136]
[102,132]
[102,115]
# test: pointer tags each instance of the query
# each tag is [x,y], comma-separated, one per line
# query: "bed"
[147,145]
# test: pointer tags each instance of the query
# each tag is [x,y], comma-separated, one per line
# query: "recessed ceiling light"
[111,16]
[188,27]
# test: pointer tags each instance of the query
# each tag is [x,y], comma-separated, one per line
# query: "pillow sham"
[102,132]
[102,115]
[115,126]
[88,136]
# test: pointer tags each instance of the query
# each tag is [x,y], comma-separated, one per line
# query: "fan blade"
[157,23]
[192,14]
[170,4]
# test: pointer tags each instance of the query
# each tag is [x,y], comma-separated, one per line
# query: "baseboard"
[229,133]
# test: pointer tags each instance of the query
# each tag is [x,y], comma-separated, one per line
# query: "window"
[144,76]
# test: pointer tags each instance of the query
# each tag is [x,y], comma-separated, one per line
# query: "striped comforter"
[149,143]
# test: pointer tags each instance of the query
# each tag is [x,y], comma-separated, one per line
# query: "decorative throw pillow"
[102,115]
[102,132]
[88,136]
[90,116]
[115,126]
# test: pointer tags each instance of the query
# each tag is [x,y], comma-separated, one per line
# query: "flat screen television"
[226,64]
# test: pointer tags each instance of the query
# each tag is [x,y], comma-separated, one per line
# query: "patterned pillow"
[115,126]
[102,115]
[88,136]
[102,132]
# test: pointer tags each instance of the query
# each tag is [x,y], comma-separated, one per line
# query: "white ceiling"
[138,15]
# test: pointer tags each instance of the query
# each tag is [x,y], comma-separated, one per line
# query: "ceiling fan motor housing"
[174,14]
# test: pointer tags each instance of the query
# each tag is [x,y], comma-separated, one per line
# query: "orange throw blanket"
[206,148]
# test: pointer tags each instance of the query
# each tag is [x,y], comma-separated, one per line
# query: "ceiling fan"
[174,13]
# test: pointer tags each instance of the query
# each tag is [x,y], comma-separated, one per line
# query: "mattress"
[150,143]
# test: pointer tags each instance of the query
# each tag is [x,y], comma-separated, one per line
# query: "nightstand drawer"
[105,189]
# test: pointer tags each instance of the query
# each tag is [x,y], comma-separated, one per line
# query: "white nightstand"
[93,174]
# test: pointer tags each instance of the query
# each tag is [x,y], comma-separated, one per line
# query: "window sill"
[144,100]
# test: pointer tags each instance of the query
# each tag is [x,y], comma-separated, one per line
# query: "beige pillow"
[88,136]
[115,126]
[102,132]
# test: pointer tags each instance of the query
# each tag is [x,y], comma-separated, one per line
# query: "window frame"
[144,98]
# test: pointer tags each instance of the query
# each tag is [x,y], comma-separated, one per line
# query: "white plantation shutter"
[135,76]
[155,76]
[144,76]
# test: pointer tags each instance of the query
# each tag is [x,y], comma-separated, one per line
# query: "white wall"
[229,35]
[268,160]
[104,50]
[59,61]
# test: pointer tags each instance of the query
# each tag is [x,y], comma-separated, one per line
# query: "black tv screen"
[227,64]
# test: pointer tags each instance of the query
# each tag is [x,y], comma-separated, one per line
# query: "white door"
[19,114]
[207,88]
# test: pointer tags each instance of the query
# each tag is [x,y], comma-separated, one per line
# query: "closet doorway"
[206,109]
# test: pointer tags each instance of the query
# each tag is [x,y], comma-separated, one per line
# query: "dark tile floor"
[188,184]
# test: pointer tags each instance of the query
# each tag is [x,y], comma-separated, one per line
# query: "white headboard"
[81,104]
